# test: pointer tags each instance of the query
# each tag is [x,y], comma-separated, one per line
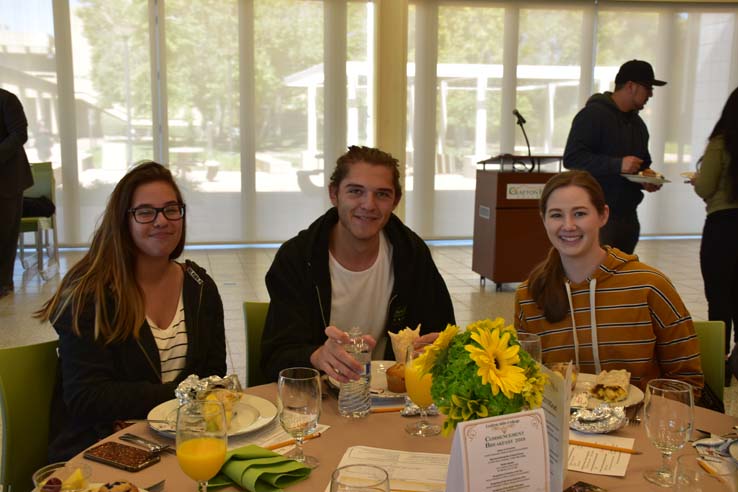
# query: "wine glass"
[360,478]
[202,440]
[531,343]
[696,473]
[668,414]
[419,390]
[299,400]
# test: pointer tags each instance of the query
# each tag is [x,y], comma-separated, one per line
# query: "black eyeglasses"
[147,215]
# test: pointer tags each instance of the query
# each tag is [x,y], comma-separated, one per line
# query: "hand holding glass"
[299,401]
[668,414]
[419,390]
[202,440]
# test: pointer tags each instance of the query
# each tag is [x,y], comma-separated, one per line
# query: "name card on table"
[508,452]
[556,405]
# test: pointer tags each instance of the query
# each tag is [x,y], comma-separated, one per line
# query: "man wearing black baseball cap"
[608,138]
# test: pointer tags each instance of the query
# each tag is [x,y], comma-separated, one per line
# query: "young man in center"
[357,265]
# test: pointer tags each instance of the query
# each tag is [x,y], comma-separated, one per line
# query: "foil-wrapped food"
[226,390]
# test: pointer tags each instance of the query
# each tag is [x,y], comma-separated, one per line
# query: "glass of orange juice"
[419,390]
[202,440]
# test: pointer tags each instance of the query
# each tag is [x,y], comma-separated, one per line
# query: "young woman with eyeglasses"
[132,321]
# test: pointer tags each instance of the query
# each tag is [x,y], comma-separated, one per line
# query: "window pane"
[548,77]
[469,92]
[28,68]
[203,105]
[113,97]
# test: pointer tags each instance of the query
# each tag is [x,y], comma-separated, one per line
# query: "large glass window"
[110,50]
[203,110]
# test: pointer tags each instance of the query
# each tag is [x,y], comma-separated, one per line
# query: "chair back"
[711,335]
[255,315]
[27,378]
[43,181]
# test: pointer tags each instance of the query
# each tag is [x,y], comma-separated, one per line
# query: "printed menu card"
[508,452]
[556,405]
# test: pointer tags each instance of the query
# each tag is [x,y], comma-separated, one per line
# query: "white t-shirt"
[362,298]
[172,344]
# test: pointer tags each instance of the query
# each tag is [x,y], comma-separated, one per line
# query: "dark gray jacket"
[601,135]
[299,285]
[98,384]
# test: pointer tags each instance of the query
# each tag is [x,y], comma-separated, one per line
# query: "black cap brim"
[658,82]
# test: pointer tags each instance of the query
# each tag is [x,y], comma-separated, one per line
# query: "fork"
[152,446]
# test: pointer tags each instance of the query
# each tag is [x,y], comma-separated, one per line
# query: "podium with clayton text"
[509,238]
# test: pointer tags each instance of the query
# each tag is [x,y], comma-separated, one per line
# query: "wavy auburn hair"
[546,281]
[105,276]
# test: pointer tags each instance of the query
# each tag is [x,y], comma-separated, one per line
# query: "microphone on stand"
[521,122]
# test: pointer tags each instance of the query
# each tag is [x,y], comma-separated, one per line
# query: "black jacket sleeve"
[15,124]
[210,352]
[294,325]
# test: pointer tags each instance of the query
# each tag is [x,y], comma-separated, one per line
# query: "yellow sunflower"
[425,361]
[496,360]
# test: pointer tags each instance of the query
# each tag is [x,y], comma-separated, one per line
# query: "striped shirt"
[172,344]
[641,324]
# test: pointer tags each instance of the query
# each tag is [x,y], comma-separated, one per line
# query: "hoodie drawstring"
[593,323]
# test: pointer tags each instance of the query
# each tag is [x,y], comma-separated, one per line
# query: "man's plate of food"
[247,414]
[647,176]
[612,387]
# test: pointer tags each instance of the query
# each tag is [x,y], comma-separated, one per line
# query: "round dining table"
[387,431]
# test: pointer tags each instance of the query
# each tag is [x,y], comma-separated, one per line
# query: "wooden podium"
[509,237]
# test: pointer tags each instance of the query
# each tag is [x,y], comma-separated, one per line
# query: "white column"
[334,93]
[424,118]
[588,54]
[390,103]
[312,120]
[68,130]
[157,47]
[247,90]
[509,79]
[480,134]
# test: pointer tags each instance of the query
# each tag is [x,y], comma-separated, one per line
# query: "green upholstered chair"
[255,315]
[43,185]
[712,353]
[27,377]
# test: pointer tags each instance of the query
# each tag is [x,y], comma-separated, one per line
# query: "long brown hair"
[546,281]
[105,277]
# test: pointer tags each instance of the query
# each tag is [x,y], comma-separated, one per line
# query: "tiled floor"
[240,272]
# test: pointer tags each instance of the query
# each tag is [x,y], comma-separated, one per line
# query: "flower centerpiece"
[481,372]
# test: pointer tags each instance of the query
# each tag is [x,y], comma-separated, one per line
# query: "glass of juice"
[202,440]
[418,387]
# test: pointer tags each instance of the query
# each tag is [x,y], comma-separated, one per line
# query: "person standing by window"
[717,184]
[15,176]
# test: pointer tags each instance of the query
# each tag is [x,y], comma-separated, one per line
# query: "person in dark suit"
[15,176]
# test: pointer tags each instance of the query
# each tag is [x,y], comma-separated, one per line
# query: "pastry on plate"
[118,486]
[612,386]
[396,378]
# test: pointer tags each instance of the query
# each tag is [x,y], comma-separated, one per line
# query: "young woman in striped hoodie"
[598,306]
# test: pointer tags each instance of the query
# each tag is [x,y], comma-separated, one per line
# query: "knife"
[152,446]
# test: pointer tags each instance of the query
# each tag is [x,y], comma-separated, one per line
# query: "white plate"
[639,178]
[688,174]
[379,380]
[587,381]
[250,414]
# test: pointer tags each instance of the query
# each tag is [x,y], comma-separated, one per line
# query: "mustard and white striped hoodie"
[627,315]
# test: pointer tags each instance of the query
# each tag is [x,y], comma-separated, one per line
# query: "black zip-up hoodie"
[97,385]
[299,285]
[601,135]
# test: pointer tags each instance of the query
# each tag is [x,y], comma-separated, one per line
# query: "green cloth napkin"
[259,470]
